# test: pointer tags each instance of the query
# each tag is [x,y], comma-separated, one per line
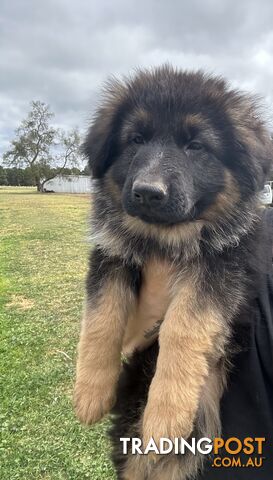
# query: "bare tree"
[41,147]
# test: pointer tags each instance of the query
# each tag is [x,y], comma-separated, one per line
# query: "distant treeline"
[24,176]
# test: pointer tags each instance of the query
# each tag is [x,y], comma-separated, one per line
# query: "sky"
[61,51]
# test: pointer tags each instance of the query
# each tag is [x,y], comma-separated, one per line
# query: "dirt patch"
[21,303]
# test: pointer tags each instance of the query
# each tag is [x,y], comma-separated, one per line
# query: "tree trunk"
[39,185]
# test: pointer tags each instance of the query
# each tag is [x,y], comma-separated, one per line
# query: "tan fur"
[197,120]
[225,200]
[99,363]
[186,340]
[188,233]
[194,120]
[142,468]
[170,235]
[136,468]
[167,469]
[210,396]
[139,114]
[154,299]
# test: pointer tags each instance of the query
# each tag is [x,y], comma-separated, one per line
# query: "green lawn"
[43,259]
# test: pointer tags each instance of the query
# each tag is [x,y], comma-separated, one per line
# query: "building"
[69,184]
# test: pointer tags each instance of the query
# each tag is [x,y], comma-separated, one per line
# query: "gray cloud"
[60,51]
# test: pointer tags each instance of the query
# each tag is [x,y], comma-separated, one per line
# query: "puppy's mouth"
[161,216]
[154,220]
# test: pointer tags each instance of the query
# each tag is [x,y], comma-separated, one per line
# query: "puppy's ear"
[259,148]
[254,139]
[101,143]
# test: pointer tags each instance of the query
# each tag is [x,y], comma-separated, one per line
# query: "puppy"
[179,159]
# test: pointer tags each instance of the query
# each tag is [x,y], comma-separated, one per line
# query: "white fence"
[69,184]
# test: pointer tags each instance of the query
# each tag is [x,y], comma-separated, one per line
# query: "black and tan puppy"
[179,159]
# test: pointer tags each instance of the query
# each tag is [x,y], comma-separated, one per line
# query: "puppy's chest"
[154,298]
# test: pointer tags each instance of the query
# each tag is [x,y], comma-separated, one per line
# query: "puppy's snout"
[149,193]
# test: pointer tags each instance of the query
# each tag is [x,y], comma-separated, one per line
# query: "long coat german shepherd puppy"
[179,159]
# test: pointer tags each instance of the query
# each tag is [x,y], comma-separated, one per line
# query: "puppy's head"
[178,147]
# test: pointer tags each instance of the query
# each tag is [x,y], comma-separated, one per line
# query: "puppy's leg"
[136,468]
[187,342]
[132,396]
[109,299]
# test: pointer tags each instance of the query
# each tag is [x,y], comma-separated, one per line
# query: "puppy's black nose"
[149,194]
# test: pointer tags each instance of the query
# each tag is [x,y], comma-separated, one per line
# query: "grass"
[43,259]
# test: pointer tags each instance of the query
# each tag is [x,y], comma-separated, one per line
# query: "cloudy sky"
[60,51]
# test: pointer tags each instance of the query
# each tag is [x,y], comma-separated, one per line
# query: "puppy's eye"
[195,146]
[138,139]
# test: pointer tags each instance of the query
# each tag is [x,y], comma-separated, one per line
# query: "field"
[43,252]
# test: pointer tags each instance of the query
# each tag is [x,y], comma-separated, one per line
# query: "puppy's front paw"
[163,420]
[92,400]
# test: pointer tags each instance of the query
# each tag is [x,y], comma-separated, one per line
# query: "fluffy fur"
[179,159]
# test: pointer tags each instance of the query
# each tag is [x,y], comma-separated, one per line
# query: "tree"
[3,176]
[45,150]
[12,176]
[27,178]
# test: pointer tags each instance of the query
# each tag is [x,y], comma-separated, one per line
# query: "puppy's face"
[177,147]
[169,170]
